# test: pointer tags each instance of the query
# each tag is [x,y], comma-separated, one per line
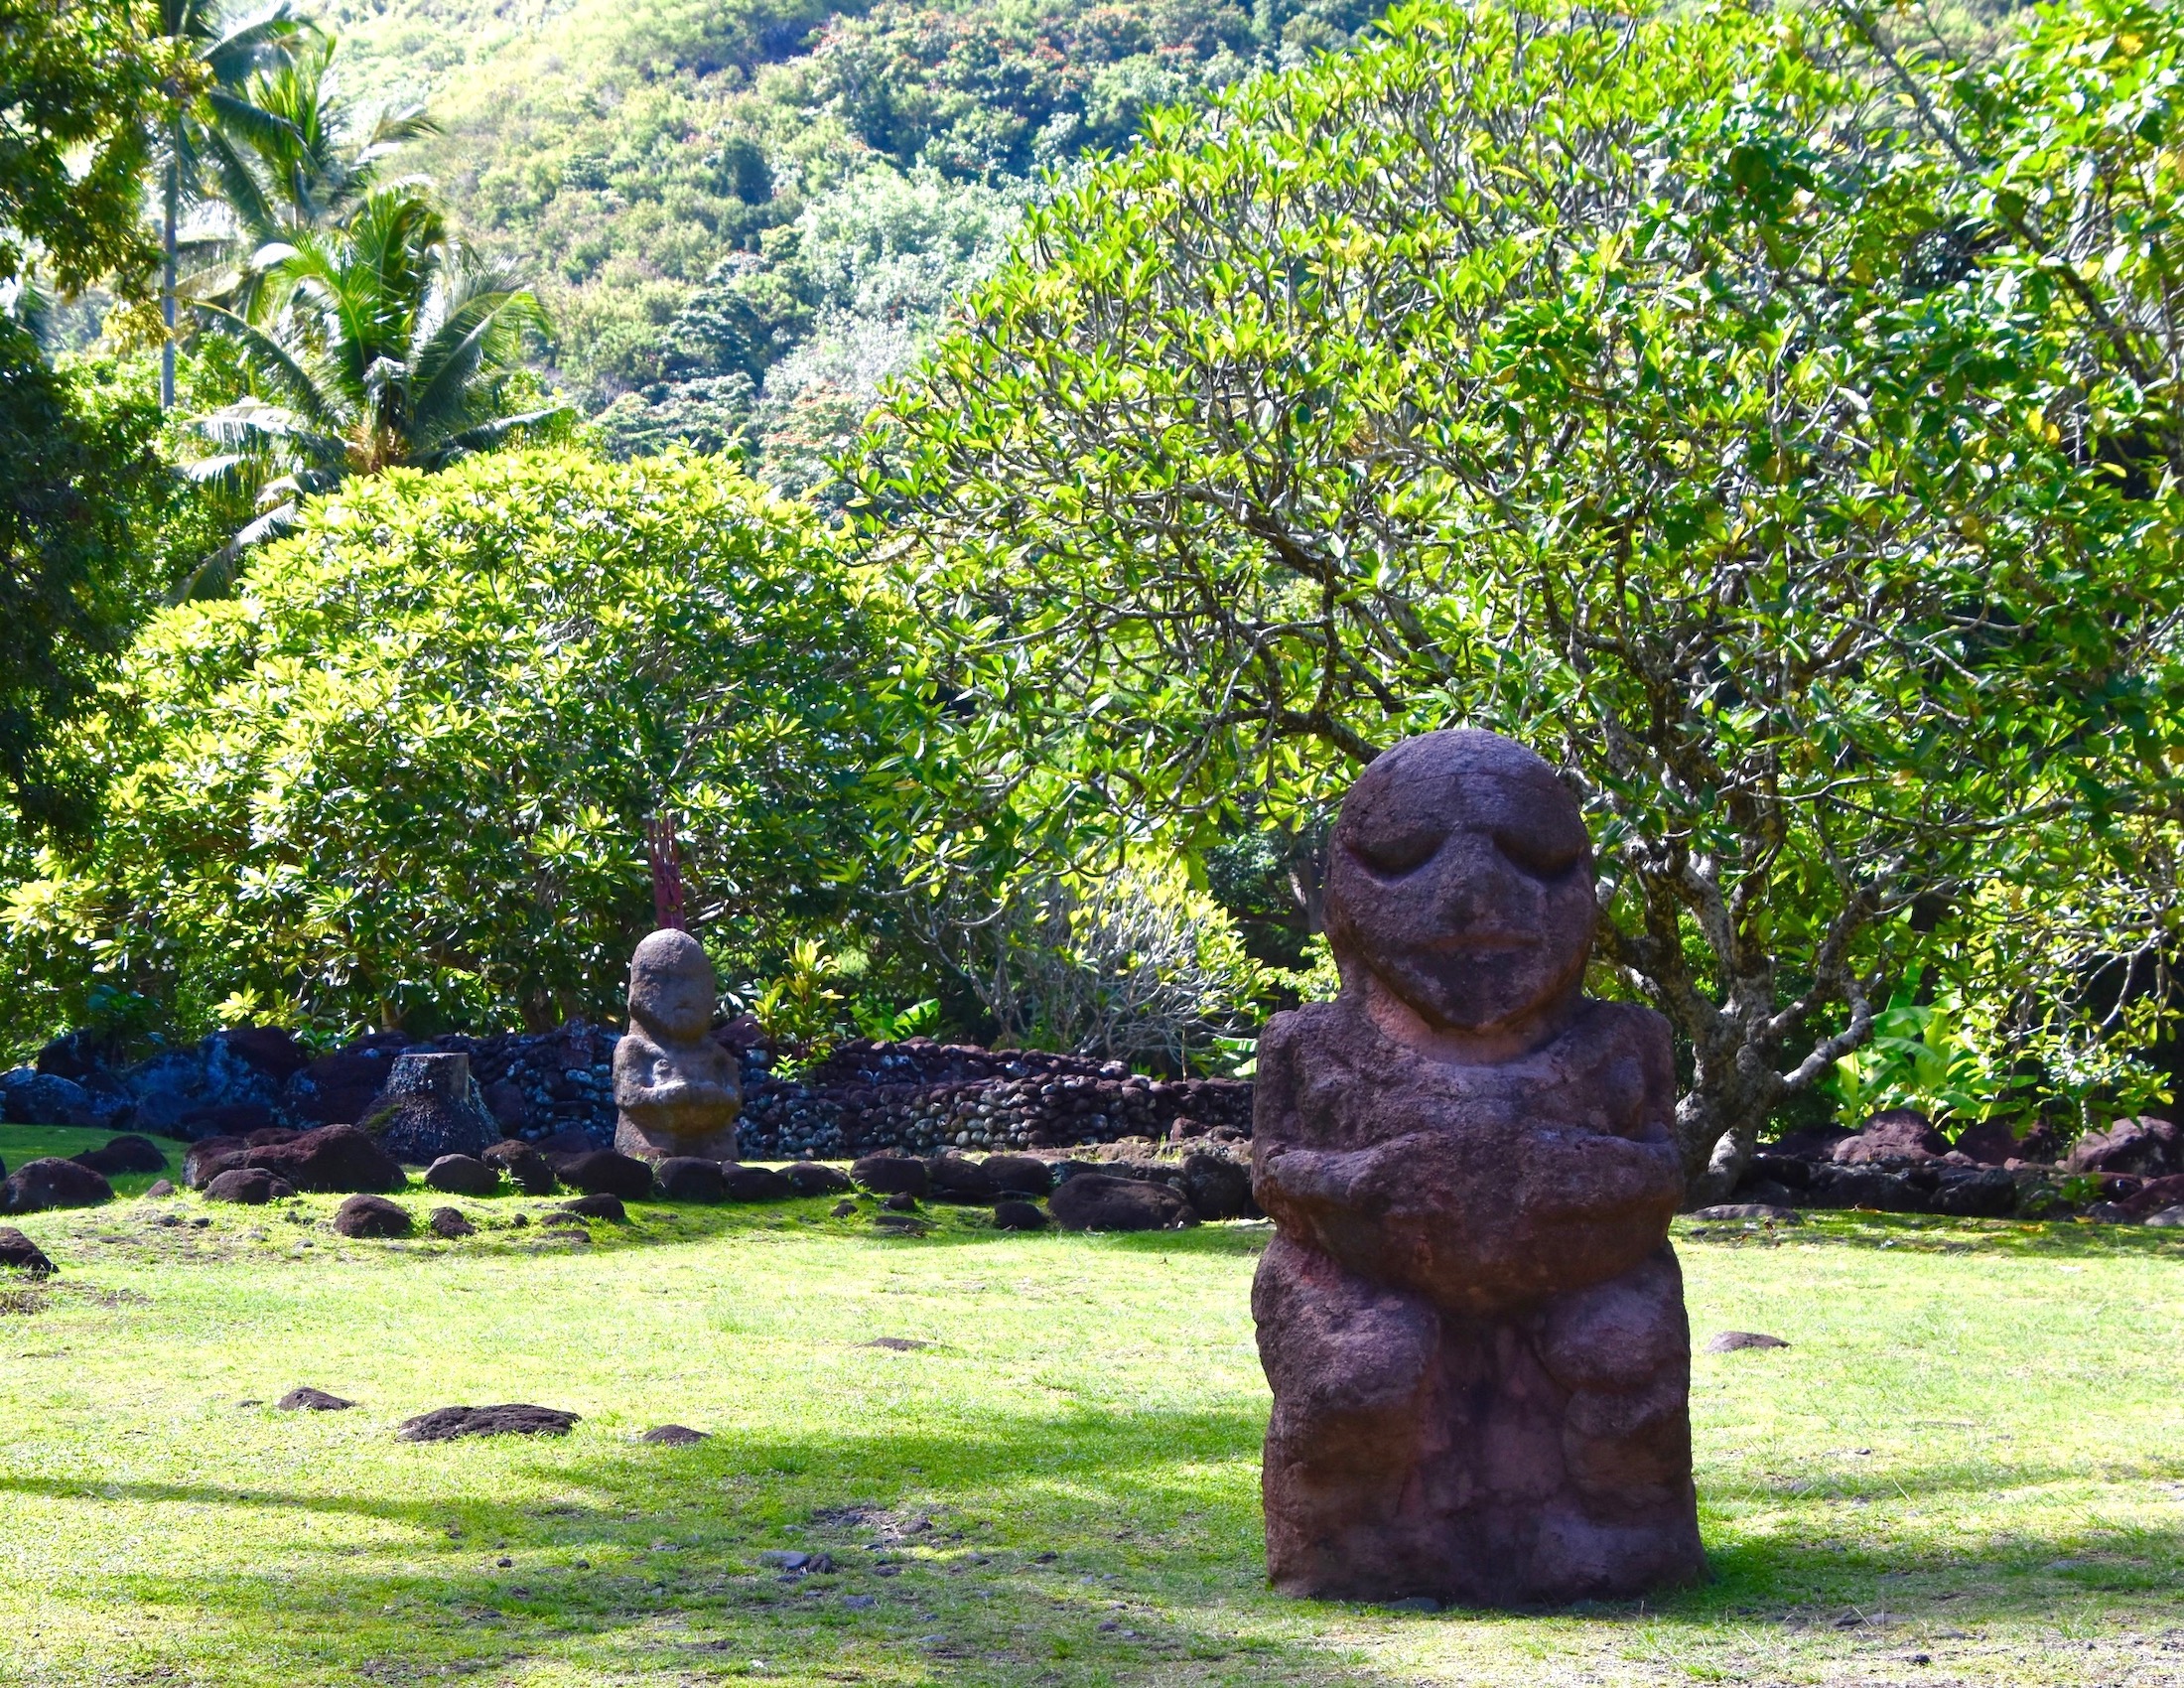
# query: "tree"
[209,65]
[382,343]
[80,90]
[404,775]
[1584,378]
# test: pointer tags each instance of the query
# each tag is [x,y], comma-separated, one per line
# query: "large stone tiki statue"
[676,1090]
[1470,1315]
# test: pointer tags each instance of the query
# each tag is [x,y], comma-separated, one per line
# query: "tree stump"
[431,1107]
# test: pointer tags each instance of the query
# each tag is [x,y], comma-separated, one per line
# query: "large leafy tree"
[404,775]
[1625,384]
[380,343]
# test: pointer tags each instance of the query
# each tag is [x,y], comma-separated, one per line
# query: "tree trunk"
[167,289]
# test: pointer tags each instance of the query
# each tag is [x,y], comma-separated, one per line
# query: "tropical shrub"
[403,776]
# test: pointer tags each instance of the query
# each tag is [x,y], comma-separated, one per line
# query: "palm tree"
[278,181]
[379,342]
[214,64]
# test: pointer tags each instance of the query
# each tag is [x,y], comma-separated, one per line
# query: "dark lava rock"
[843,1208]
[1897,1133]
[1764,1213]
[160,1191]
[254,1186]
[334,1160]
[757,1184]
[18,1254]
[524,1166]
[1729,1341]
[673,1435]
[898,1344]
[445,1424]
[1217,1187]
[449,1223]
[1093,1201]
[1991,1142]
[2155,1195]
[607,1171]
[686,1178]
[1862,1187]
[312,1401]
[1816,1143]
[1019,1216]
[371,1216]
[208,1157]
[603,1205]
[431,1107]
[228,1119]
[1019,1174]
[2108,1213]
[30,1097]
[461,1175]
[952,1177]
[902,1201]
[52,1182]
[892,1175]
[2148,1147]
[130,1153]
[809,1178]
[1987,1193]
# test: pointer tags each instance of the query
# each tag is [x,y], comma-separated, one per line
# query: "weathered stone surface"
[677,1091]
[1094,1201]
[809,1178]
[2151,1148]
[1733,1341]
[123,1154]
[312,1401]
[954,1178]
[31,1097]
[449,1224]
[18,1254]
[1016,1215]
[686,1178]
[461,1175]
[524,1166]
[431,1107]
[892,1175]
[674,1435]
[254,1186]
[607,1171]
[160,1191]
[445,1424]
[1990,1141]
[1471,1316]
[334,1160]
[1987,1194]
[1019,1174]
[1760,1212]
[38,1185]
[371,1216]
[757,1184]
[602,1204]
[1899,1134]
[1217,1187]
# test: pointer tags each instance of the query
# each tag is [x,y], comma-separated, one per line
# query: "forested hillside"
[743,214]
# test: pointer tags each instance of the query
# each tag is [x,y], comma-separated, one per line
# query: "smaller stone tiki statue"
[676,1090]
[1470,1315]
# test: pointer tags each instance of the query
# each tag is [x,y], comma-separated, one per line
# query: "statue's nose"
[1477,886]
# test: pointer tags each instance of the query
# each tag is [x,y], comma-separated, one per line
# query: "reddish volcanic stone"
[1471,1319]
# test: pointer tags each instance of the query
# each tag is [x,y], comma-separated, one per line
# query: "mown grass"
[1965,1468]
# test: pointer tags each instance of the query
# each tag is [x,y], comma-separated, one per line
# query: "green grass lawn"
[1967,1468]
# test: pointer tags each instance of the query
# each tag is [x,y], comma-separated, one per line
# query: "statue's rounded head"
[1460,878]
[671,985]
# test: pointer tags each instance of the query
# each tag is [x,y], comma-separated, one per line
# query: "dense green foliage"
[405,774]
[1668,394]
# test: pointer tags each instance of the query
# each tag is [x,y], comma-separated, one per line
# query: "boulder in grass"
[1735,1341]
[1093,1201]
[449,1224]
[757,1184]
[674,1435]
[445,1424]
[1760,1213]
[312,1401]
[254,1186]
[1016,1215]
[30,1097]
[371,1216]
[461,1175]
[687,1177]
[208,1157]
[334,1160]
[523,1165]
[809,1178]
[1991,1142]
[2168,1219]
[605,1205]
[38,1185]
[892,1175]
[1019,1174]
[1895,1134]
[953,1177]
[431,1107]
[1217,1186]
[121,1155]
[2146,1147]
[607,1171]
[18,1254]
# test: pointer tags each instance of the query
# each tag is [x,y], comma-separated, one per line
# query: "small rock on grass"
[809,1178]
[448,1223]
[463,1175]
[160,1191]
[515,1418]
[312,1401]
[845,1210]
[18,1252]
[901,1344]
[602,1205]
[254,1186]
[673,1435]
[1017,1217]
[1729,1341]
[2169,1217]
[1764,1211]
[371,1215]
[860,1603]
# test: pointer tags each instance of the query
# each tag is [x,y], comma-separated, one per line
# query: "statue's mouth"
[1480,943]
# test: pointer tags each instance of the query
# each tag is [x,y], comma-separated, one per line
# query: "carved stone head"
[1460,878]
[671,986]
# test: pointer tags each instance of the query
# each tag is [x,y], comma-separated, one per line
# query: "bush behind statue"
[404,774]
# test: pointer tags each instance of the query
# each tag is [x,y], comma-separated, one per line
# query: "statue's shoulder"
[1629,1022]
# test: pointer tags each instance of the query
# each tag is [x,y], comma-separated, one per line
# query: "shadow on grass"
[2065,1239]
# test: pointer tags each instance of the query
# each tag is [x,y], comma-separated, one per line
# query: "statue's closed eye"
[1541,855]
[1394,854]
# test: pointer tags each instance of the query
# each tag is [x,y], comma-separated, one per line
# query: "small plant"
[1922,1055]
[885,1024]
